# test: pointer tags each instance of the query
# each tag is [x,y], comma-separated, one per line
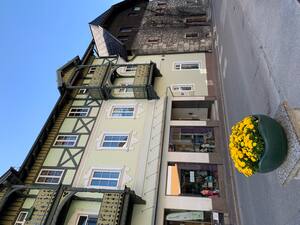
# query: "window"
[82,91]
[78,112]
[161,4]
[153,40]
[122,111]
[125,29]
[192,179]
[182,87]
[131,68]
[87,220]
[195,20]
[125,89]
[21,218]
[105,178]
[49,176]
[66,140]
[123,38]
[191,35]
[186,65]
[92,69]
[117,141]
[133,14]
[136,8]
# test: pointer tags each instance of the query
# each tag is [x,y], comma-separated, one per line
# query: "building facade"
[136,135]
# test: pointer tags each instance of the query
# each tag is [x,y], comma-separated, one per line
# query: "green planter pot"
[275,144]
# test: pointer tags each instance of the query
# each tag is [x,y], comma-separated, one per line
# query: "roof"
[100,20]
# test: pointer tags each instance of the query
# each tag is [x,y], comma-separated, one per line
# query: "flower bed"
[246,146]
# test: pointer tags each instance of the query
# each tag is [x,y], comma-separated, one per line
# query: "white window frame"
[19,222]
[47,176]
[122,106]
[125,147]
[82,91]
[177,66]
[85,215]
[86,113]
[58,145]
[120,171]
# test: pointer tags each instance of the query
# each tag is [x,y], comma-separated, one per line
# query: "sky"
[37,37]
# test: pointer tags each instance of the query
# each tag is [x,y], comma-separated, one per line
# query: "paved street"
[259,54]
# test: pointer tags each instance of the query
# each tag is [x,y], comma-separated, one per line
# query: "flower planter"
[275,144]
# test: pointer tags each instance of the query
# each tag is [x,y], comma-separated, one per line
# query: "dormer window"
[191,35]
[126,29]
[153,40]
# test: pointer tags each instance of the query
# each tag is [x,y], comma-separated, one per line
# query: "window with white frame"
[122,111]
[186,65]
[49,176]
[87,220]
[92,69]
[78,112]
[82,91]
[21,218]
[114,141]
[66,140]
[105,178]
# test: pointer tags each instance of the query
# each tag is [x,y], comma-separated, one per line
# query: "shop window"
[187,217]
[192,139]
[191,179]
[203,110]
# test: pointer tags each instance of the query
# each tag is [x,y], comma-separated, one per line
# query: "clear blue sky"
[37,37]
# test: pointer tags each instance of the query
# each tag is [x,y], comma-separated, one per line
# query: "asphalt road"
[259,62]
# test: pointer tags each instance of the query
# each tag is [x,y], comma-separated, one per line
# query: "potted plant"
[257,144]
